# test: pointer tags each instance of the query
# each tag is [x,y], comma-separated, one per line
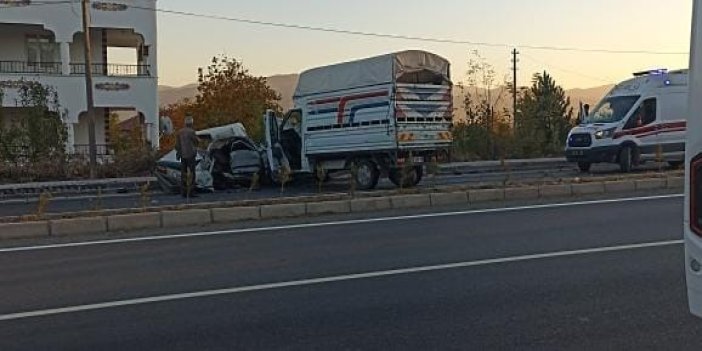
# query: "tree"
[39,132]
[484,131]
[131,154]
[543,118]
[228,93]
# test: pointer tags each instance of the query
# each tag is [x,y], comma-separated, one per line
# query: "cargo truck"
[389,115]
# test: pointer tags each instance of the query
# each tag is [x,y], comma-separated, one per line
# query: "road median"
[114,221]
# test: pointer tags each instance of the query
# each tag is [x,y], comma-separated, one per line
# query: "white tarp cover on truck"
[414,66]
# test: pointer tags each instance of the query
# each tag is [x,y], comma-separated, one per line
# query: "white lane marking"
[336,223]
[325,280]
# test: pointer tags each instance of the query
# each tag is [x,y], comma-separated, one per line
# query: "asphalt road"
[545,278]
[301,187]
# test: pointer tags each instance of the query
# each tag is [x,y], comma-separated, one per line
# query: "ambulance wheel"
[366,175]
[584,166]
[626,159]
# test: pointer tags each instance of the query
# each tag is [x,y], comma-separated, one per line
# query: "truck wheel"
[366,175]
[626,159]
[584,166]
[411,179]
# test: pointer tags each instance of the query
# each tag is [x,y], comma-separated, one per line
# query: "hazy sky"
[654,25]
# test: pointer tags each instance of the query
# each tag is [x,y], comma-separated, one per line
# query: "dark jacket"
[186,144]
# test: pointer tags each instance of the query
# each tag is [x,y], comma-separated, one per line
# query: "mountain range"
[285,86]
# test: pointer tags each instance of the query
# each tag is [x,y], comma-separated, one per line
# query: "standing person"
[186,151]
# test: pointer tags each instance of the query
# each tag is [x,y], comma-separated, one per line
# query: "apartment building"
[43,41]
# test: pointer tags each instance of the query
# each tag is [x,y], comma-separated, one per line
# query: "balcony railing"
[108,69]
[98,69]
[101,149]
[30,67]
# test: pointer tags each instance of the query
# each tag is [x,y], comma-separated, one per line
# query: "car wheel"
[584,166]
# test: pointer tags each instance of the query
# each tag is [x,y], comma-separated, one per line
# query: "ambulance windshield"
[612,109]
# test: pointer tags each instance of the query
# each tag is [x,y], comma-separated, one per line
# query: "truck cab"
[639,120]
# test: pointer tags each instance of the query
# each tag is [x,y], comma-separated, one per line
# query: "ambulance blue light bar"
[653,72]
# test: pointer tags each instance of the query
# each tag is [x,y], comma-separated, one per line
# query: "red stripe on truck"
[325,101]
[346,99]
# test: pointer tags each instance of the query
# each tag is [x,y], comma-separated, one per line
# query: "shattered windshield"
[612,109]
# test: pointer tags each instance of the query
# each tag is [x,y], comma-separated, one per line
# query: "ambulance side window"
[644,115]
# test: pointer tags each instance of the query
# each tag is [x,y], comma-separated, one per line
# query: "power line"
[565,70]
[403,37]
[369,34]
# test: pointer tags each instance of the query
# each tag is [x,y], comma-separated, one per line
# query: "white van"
[641,119]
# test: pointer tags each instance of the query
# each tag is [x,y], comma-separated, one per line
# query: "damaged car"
[230,159]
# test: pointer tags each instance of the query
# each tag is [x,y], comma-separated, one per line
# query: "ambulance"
[641,119]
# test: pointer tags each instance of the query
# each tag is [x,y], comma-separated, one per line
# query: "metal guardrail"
[74,187]
[88,186]
[499,166]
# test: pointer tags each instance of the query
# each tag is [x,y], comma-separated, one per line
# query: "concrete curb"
[447,199]
[329,207]
[235,214]
[371,204]
[134,221]
[559,190]
[108,223]
[24,230]
[283,211]
[588,189]
[186,218]
[619,187]
[78,226]
[410,201]
[527,193]
[486,195]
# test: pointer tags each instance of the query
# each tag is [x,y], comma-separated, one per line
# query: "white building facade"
[43,40]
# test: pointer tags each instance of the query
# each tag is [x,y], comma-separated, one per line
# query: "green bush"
[33,148]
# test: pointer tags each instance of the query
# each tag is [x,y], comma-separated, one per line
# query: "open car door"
[274,151]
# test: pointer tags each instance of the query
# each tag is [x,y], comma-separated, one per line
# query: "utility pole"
[92,146]
[514,87]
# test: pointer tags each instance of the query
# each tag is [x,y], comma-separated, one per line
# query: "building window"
[42,52]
